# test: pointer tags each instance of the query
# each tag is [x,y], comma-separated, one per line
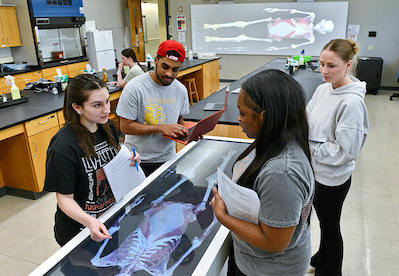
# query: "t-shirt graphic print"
[100,196]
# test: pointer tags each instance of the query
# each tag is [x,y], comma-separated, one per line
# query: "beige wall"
[111,15]
[380,16]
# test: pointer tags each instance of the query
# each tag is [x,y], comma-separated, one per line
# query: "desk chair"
[395,95]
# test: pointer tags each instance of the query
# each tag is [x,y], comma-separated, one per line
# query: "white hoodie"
[338,123]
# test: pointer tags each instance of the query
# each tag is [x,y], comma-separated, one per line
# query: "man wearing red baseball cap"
[153,104]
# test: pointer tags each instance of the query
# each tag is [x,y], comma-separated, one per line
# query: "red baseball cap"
[167,46]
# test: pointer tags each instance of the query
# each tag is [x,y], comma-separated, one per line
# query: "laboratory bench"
[228,125]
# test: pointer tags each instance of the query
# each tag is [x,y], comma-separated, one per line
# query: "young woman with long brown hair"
[76,157]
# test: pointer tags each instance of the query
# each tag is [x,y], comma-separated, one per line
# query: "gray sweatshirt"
[338,123]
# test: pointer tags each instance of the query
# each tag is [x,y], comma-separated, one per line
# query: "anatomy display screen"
[167,227]
[267,28]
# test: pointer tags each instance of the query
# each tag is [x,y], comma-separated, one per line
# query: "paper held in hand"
[121,177]
[241,202]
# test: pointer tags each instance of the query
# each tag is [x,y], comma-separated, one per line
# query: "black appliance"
[369,69]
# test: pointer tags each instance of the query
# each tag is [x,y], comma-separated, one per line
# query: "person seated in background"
[128,59]
[154,104]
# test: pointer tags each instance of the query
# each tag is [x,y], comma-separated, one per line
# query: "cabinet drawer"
[40,124]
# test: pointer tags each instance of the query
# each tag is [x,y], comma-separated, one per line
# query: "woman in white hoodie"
[338,124]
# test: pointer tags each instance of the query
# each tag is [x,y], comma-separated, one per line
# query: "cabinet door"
[61,119]
[75,69]
[49,73]
[9,25]
[211,77]
[22,79]
[3,86]
[38,145]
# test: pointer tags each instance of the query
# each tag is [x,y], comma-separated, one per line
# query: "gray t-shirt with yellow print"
[146,102]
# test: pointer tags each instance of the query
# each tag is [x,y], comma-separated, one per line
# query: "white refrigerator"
[100,50]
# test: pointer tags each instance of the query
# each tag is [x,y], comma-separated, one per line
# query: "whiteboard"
[267,28]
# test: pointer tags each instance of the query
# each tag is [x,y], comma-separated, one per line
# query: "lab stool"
[191,89]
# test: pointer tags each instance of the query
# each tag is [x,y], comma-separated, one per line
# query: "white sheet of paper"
[241,202]
[353,29]
[236,91]
[121,177]
[181,37]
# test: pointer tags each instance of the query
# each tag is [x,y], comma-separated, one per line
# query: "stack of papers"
[121,177]
[241,202]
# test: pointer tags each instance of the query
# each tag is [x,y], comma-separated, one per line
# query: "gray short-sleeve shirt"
[285,188]
[146,102]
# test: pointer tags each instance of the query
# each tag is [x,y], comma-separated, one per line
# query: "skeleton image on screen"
[150,246]
[298,28]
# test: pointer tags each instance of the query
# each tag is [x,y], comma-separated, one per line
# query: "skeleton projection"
[150,245]
[278,29]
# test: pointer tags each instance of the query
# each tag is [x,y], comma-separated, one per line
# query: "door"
[136,28]
[151,27]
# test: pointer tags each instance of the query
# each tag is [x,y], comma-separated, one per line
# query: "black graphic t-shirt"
[69,171]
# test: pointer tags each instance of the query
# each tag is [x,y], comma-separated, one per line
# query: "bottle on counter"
[301,58]
[15,94]
[105,77]
[148,59]
[190,55]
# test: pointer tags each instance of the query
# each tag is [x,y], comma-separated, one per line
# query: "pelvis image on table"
[161,234]
[268,28]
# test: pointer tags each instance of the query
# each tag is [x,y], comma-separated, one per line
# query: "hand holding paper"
[241,202]
[122,177]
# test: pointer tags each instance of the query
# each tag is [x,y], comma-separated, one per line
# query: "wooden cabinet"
[9,32]
[39,132]
[38,145]
[49,73]
[75,69]
[3,86]
[61,119]
[210,77]
[22,79]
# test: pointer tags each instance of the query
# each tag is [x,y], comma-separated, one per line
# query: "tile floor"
[370,218]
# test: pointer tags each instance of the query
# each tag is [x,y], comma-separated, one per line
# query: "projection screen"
[267,28]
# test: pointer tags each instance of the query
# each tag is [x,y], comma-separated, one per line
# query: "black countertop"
[31,68]
[191,63]
[308,79]
[41,104]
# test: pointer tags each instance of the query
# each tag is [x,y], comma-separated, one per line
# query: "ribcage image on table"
[167,227]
